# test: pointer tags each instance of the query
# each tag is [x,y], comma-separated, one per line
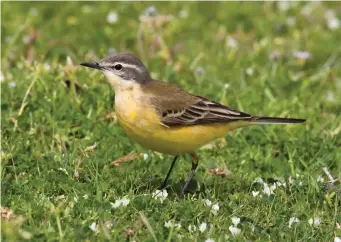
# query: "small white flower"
[207,202]
[337,239]
[161,195]
[235,221]
[215,209]
[12,84]
[293,220]
[255,193]
[177,225]
[86,196]
[226,85]
[116,204]
[234,230]
[269,190]
[93,227]
[120,202]
[232,43]
[314,221]
[300,183]
[168,224]
[258,180]
[183,14]
[333,23]
[112,17]
[306,10]
[320,179]
[203,227]
[281,184]
[303,55]
[150,11]
[291,180]
[47,66]
[283,6]
[192,228]
[249,71]
[145,156]
[124,202]
[209,240]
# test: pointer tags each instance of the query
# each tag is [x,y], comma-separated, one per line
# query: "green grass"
[57,187]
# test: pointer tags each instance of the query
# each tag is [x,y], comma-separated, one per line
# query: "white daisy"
[207,202]
[234,230]
[314,221]
[93,227]
[203,227]
[320,179]
[12,84]
[215,209]
[120,202]
[160,195]
[168,224]
[293,220]
[112,17]
[255,193]
[235,221]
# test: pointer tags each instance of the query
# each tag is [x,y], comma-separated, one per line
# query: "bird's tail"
[272,120]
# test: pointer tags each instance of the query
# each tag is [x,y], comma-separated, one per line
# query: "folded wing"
[202,112]
[179,108]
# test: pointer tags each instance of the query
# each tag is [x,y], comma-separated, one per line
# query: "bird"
[165,118]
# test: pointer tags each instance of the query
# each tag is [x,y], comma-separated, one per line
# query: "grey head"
[124,65]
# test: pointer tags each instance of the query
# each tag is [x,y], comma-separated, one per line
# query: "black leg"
[195,162]
[164,184]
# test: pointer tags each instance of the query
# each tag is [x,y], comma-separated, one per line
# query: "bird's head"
[121,69]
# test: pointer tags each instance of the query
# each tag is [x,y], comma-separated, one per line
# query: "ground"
[65,173]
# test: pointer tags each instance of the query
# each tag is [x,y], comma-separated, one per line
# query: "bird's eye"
[118,67]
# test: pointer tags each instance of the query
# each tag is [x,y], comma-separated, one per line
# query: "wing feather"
[203,112]
[179,108]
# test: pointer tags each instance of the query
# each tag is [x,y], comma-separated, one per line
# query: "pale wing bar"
[202,112]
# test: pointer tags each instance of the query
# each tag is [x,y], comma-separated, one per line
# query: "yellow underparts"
[142,124]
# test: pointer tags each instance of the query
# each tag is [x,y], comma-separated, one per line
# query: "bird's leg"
[164,184]
[195,162]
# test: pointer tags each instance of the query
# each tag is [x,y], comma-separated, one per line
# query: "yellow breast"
[141,123]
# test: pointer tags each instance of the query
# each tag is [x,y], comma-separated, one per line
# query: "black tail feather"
[272,120]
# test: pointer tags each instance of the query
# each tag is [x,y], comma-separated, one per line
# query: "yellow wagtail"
[165,118]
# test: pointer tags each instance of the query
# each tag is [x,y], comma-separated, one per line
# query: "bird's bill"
[94,65]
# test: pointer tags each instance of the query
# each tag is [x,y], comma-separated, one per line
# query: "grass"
[55,183]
